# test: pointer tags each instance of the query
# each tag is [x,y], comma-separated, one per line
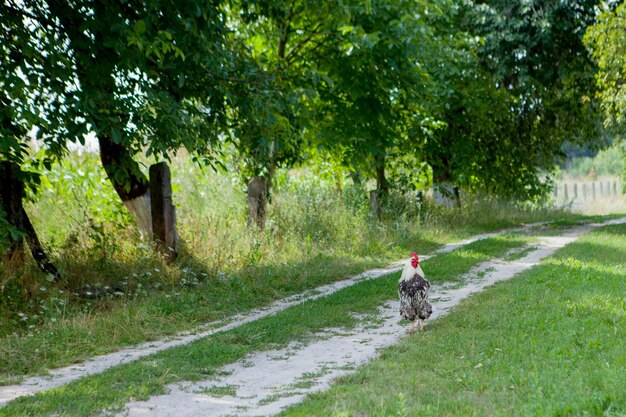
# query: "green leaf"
[140,27]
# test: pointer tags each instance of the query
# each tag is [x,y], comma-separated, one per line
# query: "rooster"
[413,291]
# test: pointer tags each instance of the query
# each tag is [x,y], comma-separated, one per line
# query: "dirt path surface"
[62,376]
[267,382]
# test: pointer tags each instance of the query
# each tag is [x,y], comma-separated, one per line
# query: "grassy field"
[111,389]
[118,292]
[551,342]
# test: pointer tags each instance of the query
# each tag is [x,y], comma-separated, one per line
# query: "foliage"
[33,80]
[607,162]
[390,85]
[8,233]
[376,89]
[534,55]
[606,40]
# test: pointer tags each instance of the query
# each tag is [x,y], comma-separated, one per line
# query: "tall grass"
[317,231]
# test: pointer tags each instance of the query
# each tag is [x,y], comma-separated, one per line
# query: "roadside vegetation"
[549,342]
[607,162]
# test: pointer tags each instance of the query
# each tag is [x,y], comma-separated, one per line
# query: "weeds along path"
[267,382]
[65,375]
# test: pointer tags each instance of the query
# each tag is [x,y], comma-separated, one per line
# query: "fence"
[584,193]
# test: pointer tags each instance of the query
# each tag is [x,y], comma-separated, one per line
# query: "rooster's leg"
[421,325]
[412,328]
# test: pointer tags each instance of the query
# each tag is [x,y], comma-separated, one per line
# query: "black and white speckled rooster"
[413,291]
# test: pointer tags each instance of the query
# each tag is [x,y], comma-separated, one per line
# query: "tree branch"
[284,36]
[238,80]
[303,42]
[42,20]
[293,56]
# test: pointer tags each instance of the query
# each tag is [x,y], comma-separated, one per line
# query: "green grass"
[551,342]
[519,254]
[219,391]
[453,266]
[111,324]
[148,376]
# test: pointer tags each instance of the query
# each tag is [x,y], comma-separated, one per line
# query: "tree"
[535,53]
[377,88]
[27,98]
[269,121]
[606,40]
[142,75]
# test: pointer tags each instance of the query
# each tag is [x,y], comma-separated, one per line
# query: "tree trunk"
[382,186]
[378,196]
[357,177]
[445,193]
[128,181]
[163,212]
[375,205]
[259,189]
[257,201]
[11,194]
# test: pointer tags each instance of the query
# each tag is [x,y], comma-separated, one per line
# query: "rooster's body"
[413,291]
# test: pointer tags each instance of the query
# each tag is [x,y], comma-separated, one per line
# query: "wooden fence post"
[593,190]
[575,190]
[11,194]
[565,194]
[163,212]
[375,204]
[257,201]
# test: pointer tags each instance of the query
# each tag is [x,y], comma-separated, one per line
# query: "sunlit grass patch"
[452,267]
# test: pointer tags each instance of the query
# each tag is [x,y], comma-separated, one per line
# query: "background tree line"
[478,96]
